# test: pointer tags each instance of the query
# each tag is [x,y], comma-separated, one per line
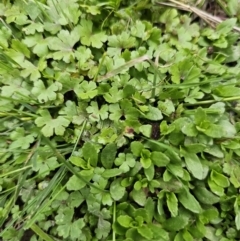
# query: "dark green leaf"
[108,155]
[176,223]
[189,201]
[90,153]
[211,214]
[128,91]
[204,196]
[159,159]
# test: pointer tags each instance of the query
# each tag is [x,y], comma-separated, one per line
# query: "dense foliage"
[119,121]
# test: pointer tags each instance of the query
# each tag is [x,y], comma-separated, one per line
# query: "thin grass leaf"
[41,233]
[40,201]
[15,171]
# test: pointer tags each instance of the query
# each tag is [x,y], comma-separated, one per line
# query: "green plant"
[119,121]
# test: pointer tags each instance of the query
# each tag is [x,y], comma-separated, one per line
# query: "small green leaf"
[210,234]
[204,196]
[38,43]
[106,199]
[108,155]
[64,43]
[117,190]
[227,91]
[107,135]
[229,130]
[166,129]
[237,220]
[76,228]
[5,34]
[159,159]
[173,155]
[125,221]
[149,208]
[167,107]
[210,129]
[145,158]
[219,179]
[175,169]
[74,183]
[176,223]
[232,6]
[125,161]
[198,230]
[179,237]
[187,236]
[146,130]
[172,204]
[128,91]
[96,113]
[189,129]
[189,201]
[103,228]
[149,172]
[50,125]
[88,37]
[215,188]
[136,148]
[138,185]
[123,40]
[44,94]
[145,232]
[194,147]
[153,114]
[87,90]
[226,26]
[139,197]
[111,173]
[211,213]
[194,165]
[79,162]
[114,95]
[159,232]
[90,153]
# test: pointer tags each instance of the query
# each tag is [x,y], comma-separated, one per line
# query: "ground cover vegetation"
[119,120]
